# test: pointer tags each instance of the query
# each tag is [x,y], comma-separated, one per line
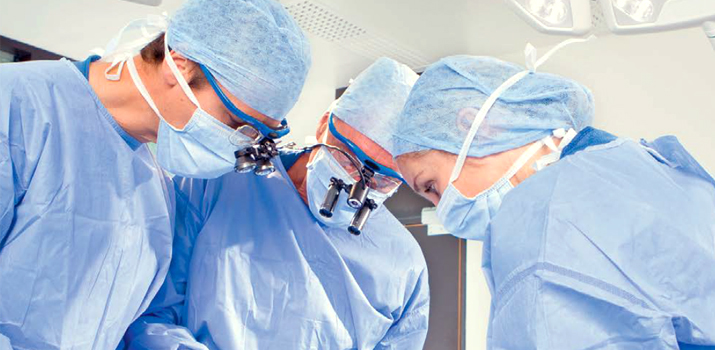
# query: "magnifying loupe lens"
[264,167]
[331,199]
[358,194]
[244,163]
[359,220]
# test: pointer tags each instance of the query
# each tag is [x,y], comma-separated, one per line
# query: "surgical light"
[709,28]
[567,17]
[648,16]
[577,17]
[639,10]
[551,11]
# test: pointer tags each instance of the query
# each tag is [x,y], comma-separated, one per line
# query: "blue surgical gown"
[253,269]
[612,247]
[85,214]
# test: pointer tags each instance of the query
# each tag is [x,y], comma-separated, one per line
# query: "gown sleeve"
[159,328]
[410,330]
[22,135]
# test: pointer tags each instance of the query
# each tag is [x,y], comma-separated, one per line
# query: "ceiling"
[428,28]
[438,28]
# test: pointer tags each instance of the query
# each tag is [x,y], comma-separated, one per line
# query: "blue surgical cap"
[372,103]
[253,47]
[445,100]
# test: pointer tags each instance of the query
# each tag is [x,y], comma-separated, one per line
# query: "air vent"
[319,20]
[323,23]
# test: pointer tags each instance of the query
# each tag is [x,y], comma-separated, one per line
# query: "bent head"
[231,45]
[360,124]
[365,116]
[174,104]
[428,172]
[215,69]
[347,179]
[444,106]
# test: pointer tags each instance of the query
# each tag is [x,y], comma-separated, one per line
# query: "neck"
[528,170]
[297,174]
[124,102]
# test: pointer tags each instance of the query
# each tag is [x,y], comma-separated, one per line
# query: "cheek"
[178,110]
[432,198]
[441,173]
[477,179]
[211,103]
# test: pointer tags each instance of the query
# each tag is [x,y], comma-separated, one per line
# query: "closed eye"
[429,187]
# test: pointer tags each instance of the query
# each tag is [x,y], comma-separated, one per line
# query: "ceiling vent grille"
[317,19]
[322,22]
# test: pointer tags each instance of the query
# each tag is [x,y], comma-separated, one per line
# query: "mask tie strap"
[549,141]
[532,64]
[566,138]
[119,65]
[523,159]
[116,52]
[141,87]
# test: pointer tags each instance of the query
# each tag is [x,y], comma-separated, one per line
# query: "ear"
[322,127]
[465,118]
[186,67]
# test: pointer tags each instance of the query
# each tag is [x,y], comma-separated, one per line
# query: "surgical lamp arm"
[709,28]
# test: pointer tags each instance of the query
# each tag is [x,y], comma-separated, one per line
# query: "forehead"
[370,147]
[247,109]
[427,160]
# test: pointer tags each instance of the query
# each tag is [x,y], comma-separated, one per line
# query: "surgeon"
[591,241]
[85,211]
[264,269]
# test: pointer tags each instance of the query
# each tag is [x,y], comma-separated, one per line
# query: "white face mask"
[468,218]
[205,147]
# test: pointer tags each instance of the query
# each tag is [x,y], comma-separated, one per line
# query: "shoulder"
[582,212]
[20,74]
[595,175]
[383,227]
[37,82]
[565,202]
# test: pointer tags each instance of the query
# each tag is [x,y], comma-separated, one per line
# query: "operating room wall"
[317,94]
[649,85]
[331,69]
[645,86]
